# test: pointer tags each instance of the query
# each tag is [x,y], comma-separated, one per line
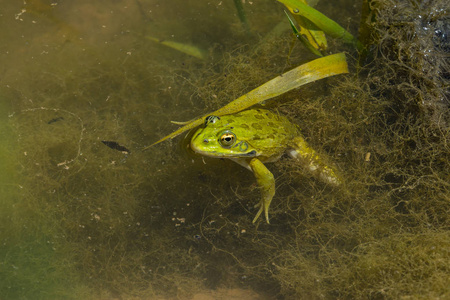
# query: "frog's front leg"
[266,183]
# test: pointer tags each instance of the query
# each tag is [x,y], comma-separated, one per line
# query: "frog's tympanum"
[253,137]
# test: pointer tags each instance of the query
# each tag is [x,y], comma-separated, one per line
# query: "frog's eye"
[211,119]
[227,139]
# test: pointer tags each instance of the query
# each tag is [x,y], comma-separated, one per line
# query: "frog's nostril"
[205,141]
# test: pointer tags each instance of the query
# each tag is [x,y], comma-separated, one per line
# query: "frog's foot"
[303,151]
[266,183]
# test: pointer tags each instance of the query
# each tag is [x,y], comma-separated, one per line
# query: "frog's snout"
[197,144]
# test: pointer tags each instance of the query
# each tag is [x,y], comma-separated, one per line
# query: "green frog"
[253,137]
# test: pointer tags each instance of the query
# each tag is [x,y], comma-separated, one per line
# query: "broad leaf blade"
[314,70]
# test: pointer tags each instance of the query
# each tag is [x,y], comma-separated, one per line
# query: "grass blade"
[324,23]
[314,70]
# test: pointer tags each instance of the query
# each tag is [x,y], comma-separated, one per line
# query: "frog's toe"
[263,206]
[258,214]
[266,183]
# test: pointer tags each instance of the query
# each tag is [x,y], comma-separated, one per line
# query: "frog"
[254,137]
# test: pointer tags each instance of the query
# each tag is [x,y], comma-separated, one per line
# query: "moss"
[405,265]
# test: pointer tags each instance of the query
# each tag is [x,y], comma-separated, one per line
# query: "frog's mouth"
[217,154]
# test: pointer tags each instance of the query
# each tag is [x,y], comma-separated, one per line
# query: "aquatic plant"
[306,73]
[314,25]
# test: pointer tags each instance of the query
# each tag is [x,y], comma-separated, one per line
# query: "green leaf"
[311,47]
[324,23]
[314,70]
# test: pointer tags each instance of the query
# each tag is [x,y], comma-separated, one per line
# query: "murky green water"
[79,220]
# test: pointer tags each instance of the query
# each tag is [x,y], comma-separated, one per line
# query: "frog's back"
[266,131]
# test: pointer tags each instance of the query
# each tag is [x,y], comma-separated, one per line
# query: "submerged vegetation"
[82,220]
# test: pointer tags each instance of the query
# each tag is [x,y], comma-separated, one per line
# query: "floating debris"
[116,146]
[185,48]
[55,120]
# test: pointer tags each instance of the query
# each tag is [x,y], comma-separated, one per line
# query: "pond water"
[85,214]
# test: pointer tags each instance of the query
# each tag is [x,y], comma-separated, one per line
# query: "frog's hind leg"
[301,150]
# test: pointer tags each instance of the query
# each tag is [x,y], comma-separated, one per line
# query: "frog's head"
[219,138]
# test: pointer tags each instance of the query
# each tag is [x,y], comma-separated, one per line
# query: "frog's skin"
[253,137]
